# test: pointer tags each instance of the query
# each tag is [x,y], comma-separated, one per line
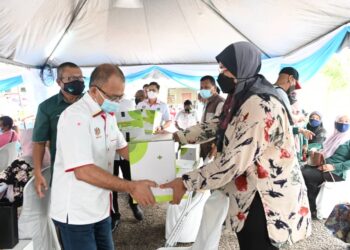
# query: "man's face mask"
[205,93]
[109,106]
[188,109]
[292,86]
[227,84]
[152,94]
[292,98]
[75,87]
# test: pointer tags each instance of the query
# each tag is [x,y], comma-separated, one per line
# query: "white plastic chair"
[191,225]
[8,154]
[34,222]
[27,149]
[214,215]
[347,176]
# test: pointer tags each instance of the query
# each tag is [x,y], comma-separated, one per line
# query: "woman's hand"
[179,189]
[307,133]
[326,168]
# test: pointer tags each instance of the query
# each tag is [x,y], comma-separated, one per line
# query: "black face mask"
[292,99]
[227,84]
[188,110]
[290,90]
[74,88]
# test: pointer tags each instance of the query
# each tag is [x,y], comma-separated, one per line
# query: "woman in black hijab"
[257,168]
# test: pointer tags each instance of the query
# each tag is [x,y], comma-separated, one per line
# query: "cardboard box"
[153,158]
[189,152]
[131,124]
[151,120]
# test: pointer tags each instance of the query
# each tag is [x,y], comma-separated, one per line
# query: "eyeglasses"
[74,78]
[115,98]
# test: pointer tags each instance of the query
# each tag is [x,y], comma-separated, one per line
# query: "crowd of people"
[258,137]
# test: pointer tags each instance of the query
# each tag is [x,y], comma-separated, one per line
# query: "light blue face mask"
[108,106]
[1,131]
[205,93]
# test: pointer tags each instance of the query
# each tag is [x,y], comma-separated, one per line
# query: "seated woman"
[315,125]
[336,152]
[7,134]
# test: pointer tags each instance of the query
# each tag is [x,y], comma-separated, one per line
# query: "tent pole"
[216,11]
[76,12]
[8,61]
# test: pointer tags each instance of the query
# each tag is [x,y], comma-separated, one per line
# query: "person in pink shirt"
[7,134]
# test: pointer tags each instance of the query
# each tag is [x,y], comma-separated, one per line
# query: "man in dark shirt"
[71,82]
[213,107]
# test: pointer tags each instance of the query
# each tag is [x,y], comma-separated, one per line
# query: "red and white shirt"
[85,135]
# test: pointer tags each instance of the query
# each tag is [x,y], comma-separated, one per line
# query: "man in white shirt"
[119,162]
[87,139]
[153,103]
[187,117]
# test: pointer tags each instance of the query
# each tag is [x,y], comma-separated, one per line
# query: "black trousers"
[124,165]
[254,235]
[313,179]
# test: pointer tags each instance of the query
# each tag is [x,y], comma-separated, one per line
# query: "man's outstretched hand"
[141,192]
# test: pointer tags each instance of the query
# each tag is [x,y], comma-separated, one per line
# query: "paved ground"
[149,234]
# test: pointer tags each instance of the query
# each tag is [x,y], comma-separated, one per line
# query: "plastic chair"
[347,175]
[34,222]
[191,225]
[8,154]
[27,149]
[214,215]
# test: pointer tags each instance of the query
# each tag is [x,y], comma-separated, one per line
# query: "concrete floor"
[149,234]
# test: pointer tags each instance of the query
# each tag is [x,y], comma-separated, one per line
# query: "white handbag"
[330,195]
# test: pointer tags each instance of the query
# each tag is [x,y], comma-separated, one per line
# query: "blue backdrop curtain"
[9,83]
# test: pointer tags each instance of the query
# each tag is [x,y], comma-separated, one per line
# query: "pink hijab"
[334,141]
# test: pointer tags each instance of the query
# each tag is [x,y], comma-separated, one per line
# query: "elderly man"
[87,140]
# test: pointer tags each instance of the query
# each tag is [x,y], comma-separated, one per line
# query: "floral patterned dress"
[15,177]
[258,156]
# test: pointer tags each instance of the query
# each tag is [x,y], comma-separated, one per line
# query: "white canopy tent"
[179,38]
[90,32]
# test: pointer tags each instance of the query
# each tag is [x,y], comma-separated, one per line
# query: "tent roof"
[90,32]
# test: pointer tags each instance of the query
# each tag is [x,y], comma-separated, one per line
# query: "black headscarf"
[243,60]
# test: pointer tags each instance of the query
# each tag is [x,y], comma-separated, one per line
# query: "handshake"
[141,191]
